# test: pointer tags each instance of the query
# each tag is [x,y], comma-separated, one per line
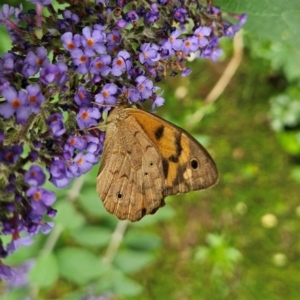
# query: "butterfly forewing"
[129,181]
[145,159]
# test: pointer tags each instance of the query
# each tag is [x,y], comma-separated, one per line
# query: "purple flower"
[122,3]
[82,97]
[81,60]
[33,155]
[40,199]
[131,16]
[114,37]
[151,16]
[132,94]
[82,163]
[17,102]
[135,72]
[93,41]
[71,42]
[56,124]
[121,23]
[148,54]
[201,33]
[179,14]
[44,227]
[121,63]
[144,86]
[7,63]
[21,275]
[49,74]
[3,84]
[13,246]
[88,117]
[73,143]
[60,176]
[33,62]
[69,15]
[6,13]
[172,44]
[94,144]
[185,72]
[35,176]
[77,142]
[157,99]
[100,65]
[107,94]
[6,272]
[10,155]
[35,97]
[190,45]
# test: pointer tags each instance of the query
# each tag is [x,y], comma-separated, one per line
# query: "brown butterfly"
[145,159]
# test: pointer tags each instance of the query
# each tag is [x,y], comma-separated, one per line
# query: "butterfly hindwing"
[129,181]
[186,164]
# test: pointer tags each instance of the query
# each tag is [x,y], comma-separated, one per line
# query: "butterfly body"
[145,159]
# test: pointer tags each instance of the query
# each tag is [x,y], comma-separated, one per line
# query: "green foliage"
[274,20]
[79,266]
[219,255]
[45,271]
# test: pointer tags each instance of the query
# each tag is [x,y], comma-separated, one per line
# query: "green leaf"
[296,174]
[132,261]
[79,265]
[67,216]
[142,240]
[91,203]
[280,19]
[92,236]
[45,271]
[127,287]
[289,142]
[15,294]
[116,283]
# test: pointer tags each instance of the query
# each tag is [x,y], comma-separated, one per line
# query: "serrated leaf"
[67,216]
[79,265]
[45,271]
[92,236]
[132,261]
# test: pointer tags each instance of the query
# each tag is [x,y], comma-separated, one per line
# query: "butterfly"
[145,159]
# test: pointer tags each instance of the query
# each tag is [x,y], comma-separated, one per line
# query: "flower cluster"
[64,71]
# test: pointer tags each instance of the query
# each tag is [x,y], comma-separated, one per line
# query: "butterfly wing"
[129,180]
[186,164]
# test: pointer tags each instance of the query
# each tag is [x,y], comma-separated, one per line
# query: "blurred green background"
[238,240]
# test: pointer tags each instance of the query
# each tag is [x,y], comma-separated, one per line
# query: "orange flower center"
[90,42]
[37,196]
[32,99]
[39,61]
[71,45]
[16,103]
[99,64]
[85,115]
[80,161]
[105,94]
